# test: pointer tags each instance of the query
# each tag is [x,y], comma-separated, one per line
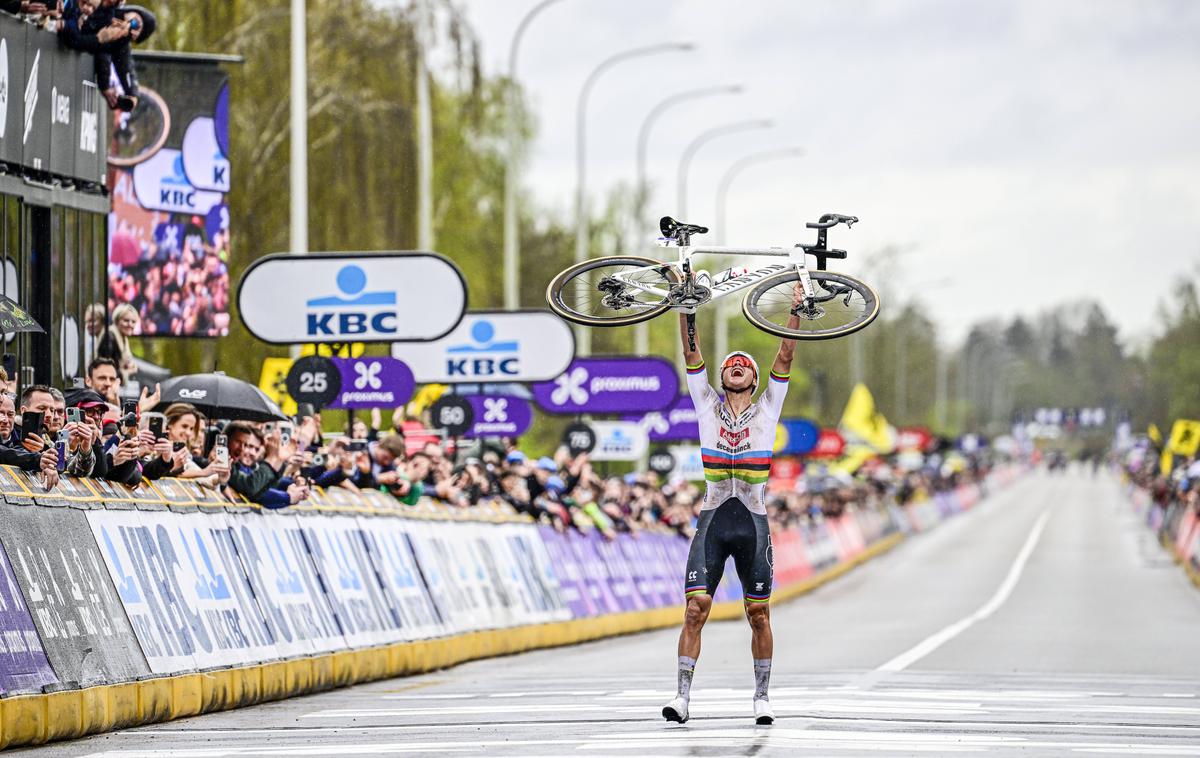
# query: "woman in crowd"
[115,342]
[173,454]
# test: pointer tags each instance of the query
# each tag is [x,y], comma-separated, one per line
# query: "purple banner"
[675,423]
[23,664]
[609,385]
[373,382]
[572,583]
[499,416]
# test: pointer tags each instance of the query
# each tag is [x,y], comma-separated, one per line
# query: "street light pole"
[641,331]
[689,152]
[584,335]
[722,331]
[298,208]
[511,243]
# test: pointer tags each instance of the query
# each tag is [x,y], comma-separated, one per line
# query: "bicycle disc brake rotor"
[809,310]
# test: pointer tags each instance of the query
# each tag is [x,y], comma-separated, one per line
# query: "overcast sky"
[1028,152]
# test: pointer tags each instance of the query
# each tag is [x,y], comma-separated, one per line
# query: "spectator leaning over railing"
[254,478]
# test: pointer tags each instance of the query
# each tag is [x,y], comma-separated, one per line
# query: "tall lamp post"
[685,162]
[641,331]
[298,207]
[766,156]
[511,242]
[584,335]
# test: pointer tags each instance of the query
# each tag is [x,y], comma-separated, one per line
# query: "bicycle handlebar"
[830,220]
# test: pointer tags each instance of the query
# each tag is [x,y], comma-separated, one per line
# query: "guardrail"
[122,607]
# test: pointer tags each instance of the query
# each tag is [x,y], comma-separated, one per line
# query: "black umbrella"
[14,318]
[220,396]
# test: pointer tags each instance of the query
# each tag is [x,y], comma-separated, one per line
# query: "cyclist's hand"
[797,293]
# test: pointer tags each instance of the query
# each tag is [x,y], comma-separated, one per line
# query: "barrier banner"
[23,664]
[350,580]
[285,583]
[619,572]
[83,630]
[595,573]
[569,571]
[530,563]
[458,609]
[178,598]
[390,549]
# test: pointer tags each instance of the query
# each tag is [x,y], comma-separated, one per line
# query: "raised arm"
[691,358]
[787,348]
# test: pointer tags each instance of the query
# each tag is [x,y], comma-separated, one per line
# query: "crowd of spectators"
[1181,486]
[91,431]
[105,28]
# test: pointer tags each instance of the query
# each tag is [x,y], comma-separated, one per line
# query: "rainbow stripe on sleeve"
[780,377]
[752,466]
[697,369]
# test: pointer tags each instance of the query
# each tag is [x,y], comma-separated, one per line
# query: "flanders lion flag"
[862,420]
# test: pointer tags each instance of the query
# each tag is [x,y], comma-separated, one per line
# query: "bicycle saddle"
[672,228]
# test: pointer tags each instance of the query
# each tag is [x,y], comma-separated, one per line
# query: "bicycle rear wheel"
[843,305]
[588,294]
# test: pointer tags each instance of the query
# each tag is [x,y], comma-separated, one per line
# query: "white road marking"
[941,637]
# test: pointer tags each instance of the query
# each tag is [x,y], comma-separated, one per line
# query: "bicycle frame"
[795,256]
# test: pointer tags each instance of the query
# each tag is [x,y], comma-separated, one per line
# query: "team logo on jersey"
[734,438]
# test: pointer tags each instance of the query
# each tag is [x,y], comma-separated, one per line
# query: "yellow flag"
[854,458]
[862,420]
[1185,437]
[273,381]
[1154,435]
[425,397]
[356,350]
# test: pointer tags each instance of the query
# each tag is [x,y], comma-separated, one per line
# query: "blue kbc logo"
[356,313]
[485,357]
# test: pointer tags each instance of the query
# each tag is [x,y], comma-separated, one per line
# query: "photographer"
[37,401]
[172,454]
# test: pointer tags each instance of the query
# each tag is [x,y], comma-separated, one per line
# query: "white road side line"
[937,639]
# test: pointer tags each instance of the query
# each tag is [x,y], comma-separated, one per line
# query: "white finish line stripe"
[939,638]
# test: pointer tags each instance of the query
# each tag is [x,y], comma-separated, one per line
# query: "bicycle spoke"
[835,307]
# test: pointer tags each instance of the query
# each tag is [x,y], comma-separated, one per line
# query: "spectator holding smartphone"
[85,450]
[254,478]
[36,402]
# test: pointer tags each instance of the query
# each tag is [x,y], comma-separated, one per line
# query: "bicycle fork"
[810,292]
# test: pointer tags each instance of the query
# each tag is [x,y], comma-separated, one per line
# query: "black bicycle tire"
[749,309]
[554,292]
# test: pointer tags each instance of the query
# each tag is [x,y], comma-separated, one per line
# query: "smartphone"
[285,435]
[155,424]
[129,426]
[31,423]
[221,454]
[74,415]
[128,407]
[177,446]
[222,441]
[77,382]
[304,410]
[60,447]
[358,446]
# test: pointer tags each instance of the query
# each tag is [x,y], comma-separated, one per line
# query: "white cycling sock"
[762,677]
[687,667]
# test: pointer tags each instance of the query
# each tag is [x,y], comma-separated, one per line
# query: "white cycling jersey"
[736,451]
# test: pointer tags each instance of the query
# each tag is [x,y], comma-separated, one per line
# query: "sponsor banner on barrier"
[678,422]
[67,589]
[609,385]
[494,346]
[388,544]
[189,609]
[23,663]
[352,297]
[532,563]
[569,572]
[340,555]
[285,581]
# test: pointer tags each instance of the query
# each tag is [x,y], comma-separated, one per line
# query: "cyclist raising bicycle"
[737,437]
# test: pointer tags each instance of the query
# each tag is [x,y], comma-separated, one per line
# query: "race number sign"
[452,413]
[314,380]
[579,438]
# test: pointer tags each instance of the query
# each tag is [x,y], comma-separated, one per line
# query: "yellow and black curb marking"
[35,719]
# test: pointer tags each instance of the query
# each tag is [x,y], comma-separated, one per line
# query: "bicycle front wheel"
[842,306]
[588,293]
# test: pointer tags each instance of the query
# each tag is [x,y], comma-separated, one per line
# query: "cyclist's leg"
[703,574]
[752,557]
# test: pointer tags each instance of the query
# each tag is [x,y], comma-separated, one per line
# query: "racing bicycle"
[626,289]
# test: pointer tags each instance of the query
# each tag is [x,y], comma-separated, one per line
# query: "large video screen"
[168,246]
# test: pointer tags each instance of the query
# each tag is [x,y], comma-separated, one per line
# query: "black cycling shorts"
[730,530]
